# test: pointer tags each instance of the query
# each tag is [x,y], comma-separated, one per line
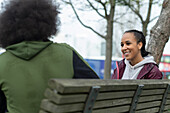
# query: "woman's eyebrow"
[127,41]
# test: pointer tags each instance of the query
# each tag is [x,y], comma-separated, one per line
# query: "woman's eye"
[128,43]
[122,45]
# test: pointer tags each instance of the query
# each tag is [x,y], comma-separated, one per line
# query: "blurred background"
[92,46]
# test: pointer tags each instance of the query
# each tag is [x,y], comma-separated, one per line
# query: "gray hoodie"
[131,72]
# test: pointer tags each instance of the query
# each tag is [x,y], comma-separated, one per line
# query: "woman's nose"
[124,47]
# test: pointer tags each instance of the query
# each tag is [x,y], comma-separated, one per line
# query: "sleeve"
[82,69]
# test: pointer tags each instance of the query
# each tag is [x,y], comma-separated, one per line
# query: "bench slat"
[109,103]
[75,86]
[62,99]
[102,89]
[168,111]
[73,98]
[51,107]
[119,109]
[148,105]
[152,92]
[150,110]
[47,105]
[115,94]
[168,101]
[150,98]
[167,106]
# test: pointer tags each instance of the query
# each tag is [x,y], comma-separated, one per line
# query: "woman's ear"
[140,44]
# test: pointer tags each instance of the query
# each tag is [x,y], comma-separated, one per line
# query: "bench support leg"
[164,99]
[91,99]
[136,98]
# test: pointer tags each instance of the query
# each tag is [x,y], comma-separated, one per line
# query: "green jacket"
[25,69]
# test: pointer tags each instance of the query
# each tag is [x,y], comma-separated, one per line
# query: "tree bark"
[160,32]
[108,59]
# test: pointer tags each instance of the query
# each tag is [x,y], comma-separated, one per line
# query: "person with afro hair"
[31,59]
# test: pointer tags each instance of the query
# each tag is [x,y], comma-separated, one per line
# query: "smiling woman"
[137,64]
[131,49]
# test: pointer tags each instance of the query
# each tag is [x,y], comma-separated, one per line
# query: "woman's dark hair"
[140,38]
[28,20]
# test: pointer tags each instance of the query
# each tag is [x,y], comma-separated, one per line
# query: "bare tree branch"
[104,7]
[153,19]
[138,4]
[123,14]
[112,8]
[95,9]
[115,21]
[134,10]
[70,3]
[149,11]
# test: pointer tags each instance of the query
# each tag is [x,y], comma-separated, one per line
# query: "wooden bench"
[106,96]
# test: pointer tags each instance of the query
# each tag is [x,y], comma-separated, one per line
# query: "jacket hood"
[28,49]
[146,60]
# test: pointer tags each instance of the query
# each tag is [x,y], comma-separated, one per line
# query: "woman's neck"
[135,61]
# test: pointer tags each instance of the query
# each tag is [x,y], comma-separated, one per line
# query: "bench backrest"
[106,96]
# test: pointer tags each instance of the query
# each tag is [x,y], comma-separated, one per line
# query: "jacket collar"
[145,70]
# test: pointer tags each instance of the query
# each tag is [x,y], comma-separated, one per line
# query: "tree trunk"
[108,59]
[160,33]
[144,28]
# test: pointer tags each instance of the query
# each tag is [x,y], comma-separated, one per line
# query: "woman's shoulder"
[151,66]
[154,71]
[155,67]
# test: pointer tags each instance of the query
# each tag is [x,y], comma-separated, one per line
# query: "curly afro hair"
[28,20]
